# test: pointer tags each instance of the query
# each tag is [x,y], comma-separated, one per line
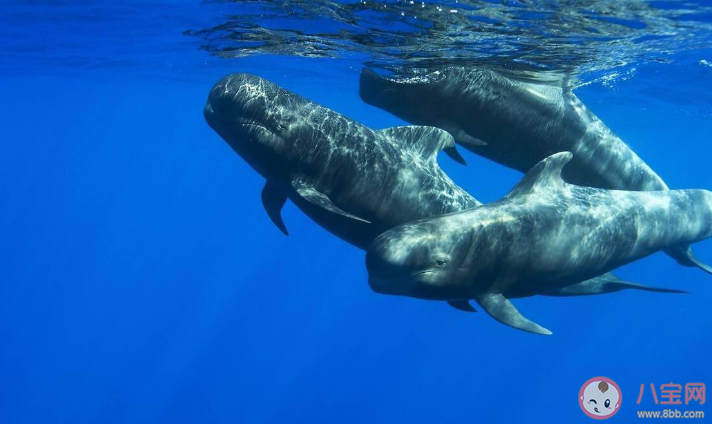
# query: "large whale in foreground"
[544,235]
[517,124]
[351,180]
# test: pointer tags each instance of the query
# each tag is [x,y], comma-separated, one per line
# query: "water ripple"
[574,36]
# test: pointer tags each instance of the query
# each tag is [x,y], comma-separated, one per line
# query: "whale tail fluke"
[684,256]
[606,283]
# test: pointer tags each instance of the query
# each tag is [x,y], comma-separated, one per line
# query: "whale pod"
[353,181]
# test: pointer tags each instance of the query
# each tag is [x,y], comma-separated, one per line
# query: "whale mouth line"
[239,121]
[404,279]
[415,274]
[245,123]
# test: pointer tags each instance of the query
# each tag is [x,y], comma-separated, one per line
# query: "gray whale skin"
[544,235]
[353,181]
[517,124]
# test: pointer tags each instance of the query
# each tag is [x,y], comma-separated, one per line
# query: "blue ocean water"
[141,280]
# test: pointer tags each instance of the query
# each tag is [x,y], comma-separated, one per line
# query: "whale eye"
[607,403]
[441,262]
[282,127]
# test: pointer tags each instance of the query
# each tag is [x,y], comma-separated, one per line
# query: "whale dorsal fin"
[425,141]
[544,176]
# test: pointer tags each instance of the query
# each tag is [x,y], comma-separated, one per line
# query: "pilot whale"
[542,236]
[353,181]
[517,124]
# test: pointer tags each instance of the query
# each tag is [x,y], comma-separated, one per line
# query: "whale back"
[424,142]
[546,175]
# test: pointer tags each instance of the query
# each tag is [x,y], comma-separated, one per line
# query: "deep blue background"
[141,281]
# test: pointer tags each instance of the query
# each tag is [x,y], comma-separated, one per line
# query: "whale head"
[415,260]
[432,98]
[257,118]
[404,98]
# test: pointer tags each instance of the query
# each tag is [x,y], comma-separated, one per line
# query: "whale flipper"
[455,155]
[543,176]
[273,200]
[501,309]
[425,141]
[461,136]
[317,198]
[462,305]
[684,256]
[606,283]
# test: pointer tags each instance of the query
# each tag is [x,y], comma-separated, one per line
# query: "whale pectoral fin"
[699,264]
[545,175]
[461,136]
[455,155]
[501,309]
[468,140]
[684,256]
[606,283]
[273,200]
[317,198]
[462,305]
